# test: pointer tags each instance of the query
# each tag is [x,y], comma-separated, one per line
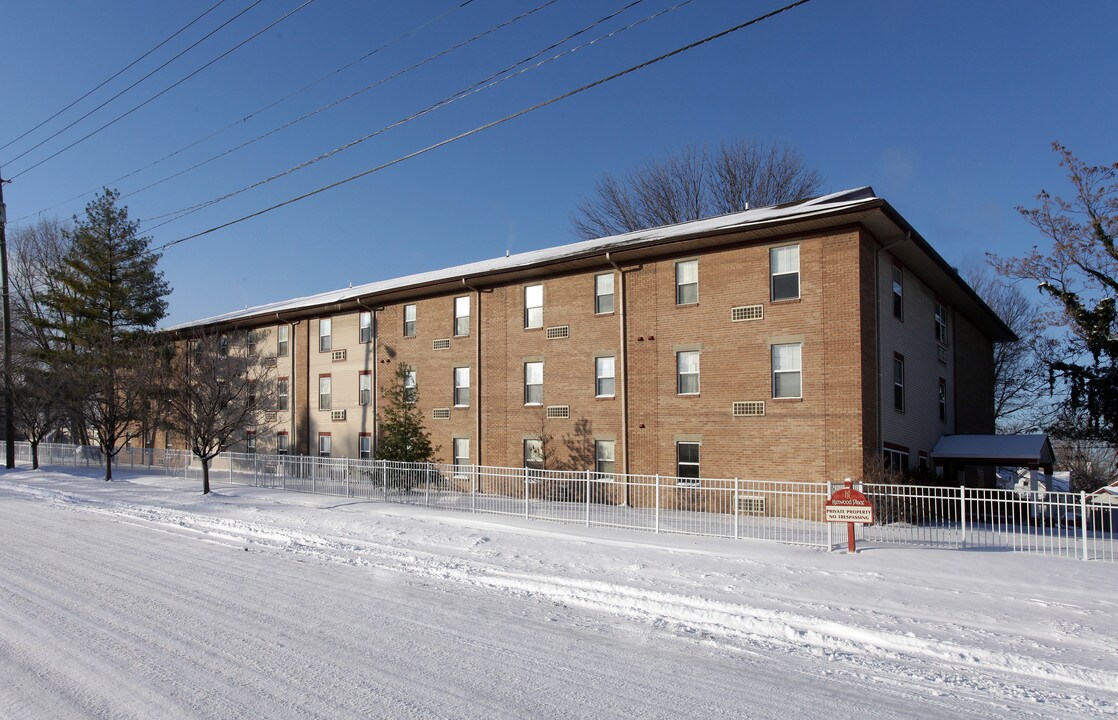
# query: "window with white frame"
[533,383]
[282,340]
[604,377]
[604,451]
[409,320]
[283,443]
[687,462]
[533,454]
[324,444]
[281,393]
[324,392]
[784,270]
[250,388]
[411,388]
[169,440]
[462,315]
[898,292]
[687,282]
[250,342]
[325,335]
[603,293]
[365,387]
[895,460]
[223,345]
[365,325]
[250,441]
[687,372]
[787,370]
[365,446]
[461,452]
[942,400]
[941,323]
[533,306]
[898,382]
[461,386]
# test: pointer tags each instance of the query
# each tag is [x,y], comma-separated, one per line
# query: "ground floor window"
[604,456]
[283,446]
[461,452]
[687,462]
[533,454]
[895,460]
[324,441]
[365,446]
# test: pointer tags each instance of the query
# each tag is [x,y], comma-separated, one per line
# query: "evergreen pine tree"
[403,436]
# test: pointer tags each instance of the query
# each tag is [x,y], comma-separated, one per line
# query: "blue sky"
[947,109]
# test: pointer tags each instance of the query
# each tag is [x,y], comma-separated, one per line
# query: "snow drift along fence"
[1060,524]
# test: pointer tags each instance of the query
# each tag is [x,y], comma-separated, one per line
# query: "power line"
[256,112]
[483,84]
[170,87]
[495,123]
[115,75]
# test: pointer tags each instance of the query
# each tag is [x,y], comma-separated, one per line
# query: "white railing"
[1062,524]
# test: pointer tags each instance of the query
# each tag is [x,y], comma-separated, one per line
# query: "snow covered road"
[142,599]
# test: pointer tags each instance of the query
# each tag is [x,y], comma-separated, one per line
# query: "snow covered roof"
[1106,495]
[1004,449]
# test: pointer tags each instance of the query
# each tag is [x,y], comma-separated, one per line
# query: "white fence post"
[587,498]
[963,516]
[657,504]
[1083,520]
[734,507]
[473,488]
[427,485]
[526,515]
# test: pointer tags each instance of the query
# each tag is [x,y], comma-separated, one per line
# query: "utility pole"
[9,418]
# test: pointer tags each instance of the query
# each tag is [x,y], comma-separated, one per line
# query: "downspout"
[375,390]
[477,363]
[624,375]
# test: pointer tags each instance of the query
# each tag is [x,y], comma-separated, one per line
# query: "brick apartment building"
[788,343]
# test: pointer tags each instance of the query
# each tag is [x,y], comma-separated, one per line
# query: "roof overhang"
[1011,450]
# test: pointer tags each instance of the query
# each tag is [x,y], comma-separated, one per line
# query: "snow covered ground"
[141,598]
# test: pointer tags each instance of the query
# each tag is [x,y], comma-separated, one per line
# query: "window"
[323,392]
[461,452]
[687,282]
[169,440]
[941,323]
[281,340]
[365,322]
[324,442]
[898,382]
[687,371]
[533,383]
[250,341]
[325,338]
[281,393]
[409,321]
[411,389]
[784,267]
[365,446]
[895,460]
[365,387]
[604,379]
[942,400]
[250,387]
[461,386]
[687,462]
[283,445]
[250,441]
[787,381]
[533,454]
[462,316]
[603,293]
[533,306]
[604,456]
[898,292]
[223,345]
[196,346]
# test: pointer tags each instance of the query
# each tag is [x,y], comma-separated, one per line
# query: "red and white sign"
[851,507]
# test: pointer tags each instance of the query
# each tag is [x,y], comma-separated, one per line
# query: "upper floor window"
[533,383]
[784,271]
[365,387]
[250,342]
[603,293]
[282,340]
[409,320]
[687,282]
[250,388]
[365,322]
[533,306]
[941,323]
[325,335]
[787,371]
[411,389]
[942,400]
[687,462]
[462,315]
[281,393]
[223,345]
[461,386]
[898,382]
[687,367]
[324,388]
[604,377]
[898,292]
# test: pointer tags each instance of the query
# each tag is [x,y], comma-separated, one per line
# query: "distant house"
[792,342]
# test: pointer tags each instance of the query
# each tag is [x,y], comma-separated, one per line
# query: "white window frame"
[250,442]
[605,457]
[795,367]
[325,334]
[685,268]
[942,399]
[325,392]
[533,306]
[898,292]
[282,340]
[533,371]
[410,312]
[283,443]
[687,367]
[364,446]
[681,464]
[784,262]
[459,460]
[283,390]
[365,388]
[365,326]
[941,323]
[462,316]
[898,382]
[461,387]
[605,376]
[411,387]
[533,454]
[325,444]
[600,294]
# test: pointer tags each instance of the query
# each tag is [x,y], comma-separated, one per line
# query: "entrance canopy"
[1031,451]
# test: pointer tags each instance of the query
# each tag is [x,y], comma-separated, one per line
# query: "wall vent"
[440,413]
[747,312]
[337,356]
[751,504]
[337,415]
[270,416]
[440,344]
[270,361]
[558,332]
[558,412]
[749,408]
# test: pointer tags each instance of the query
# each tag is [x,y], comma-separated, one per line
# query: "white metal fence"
[1062,524]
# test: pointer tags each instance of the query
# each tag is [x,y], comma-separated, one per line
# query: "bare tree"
[695,183]
[37,405]
[213,392]
[1092,464]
